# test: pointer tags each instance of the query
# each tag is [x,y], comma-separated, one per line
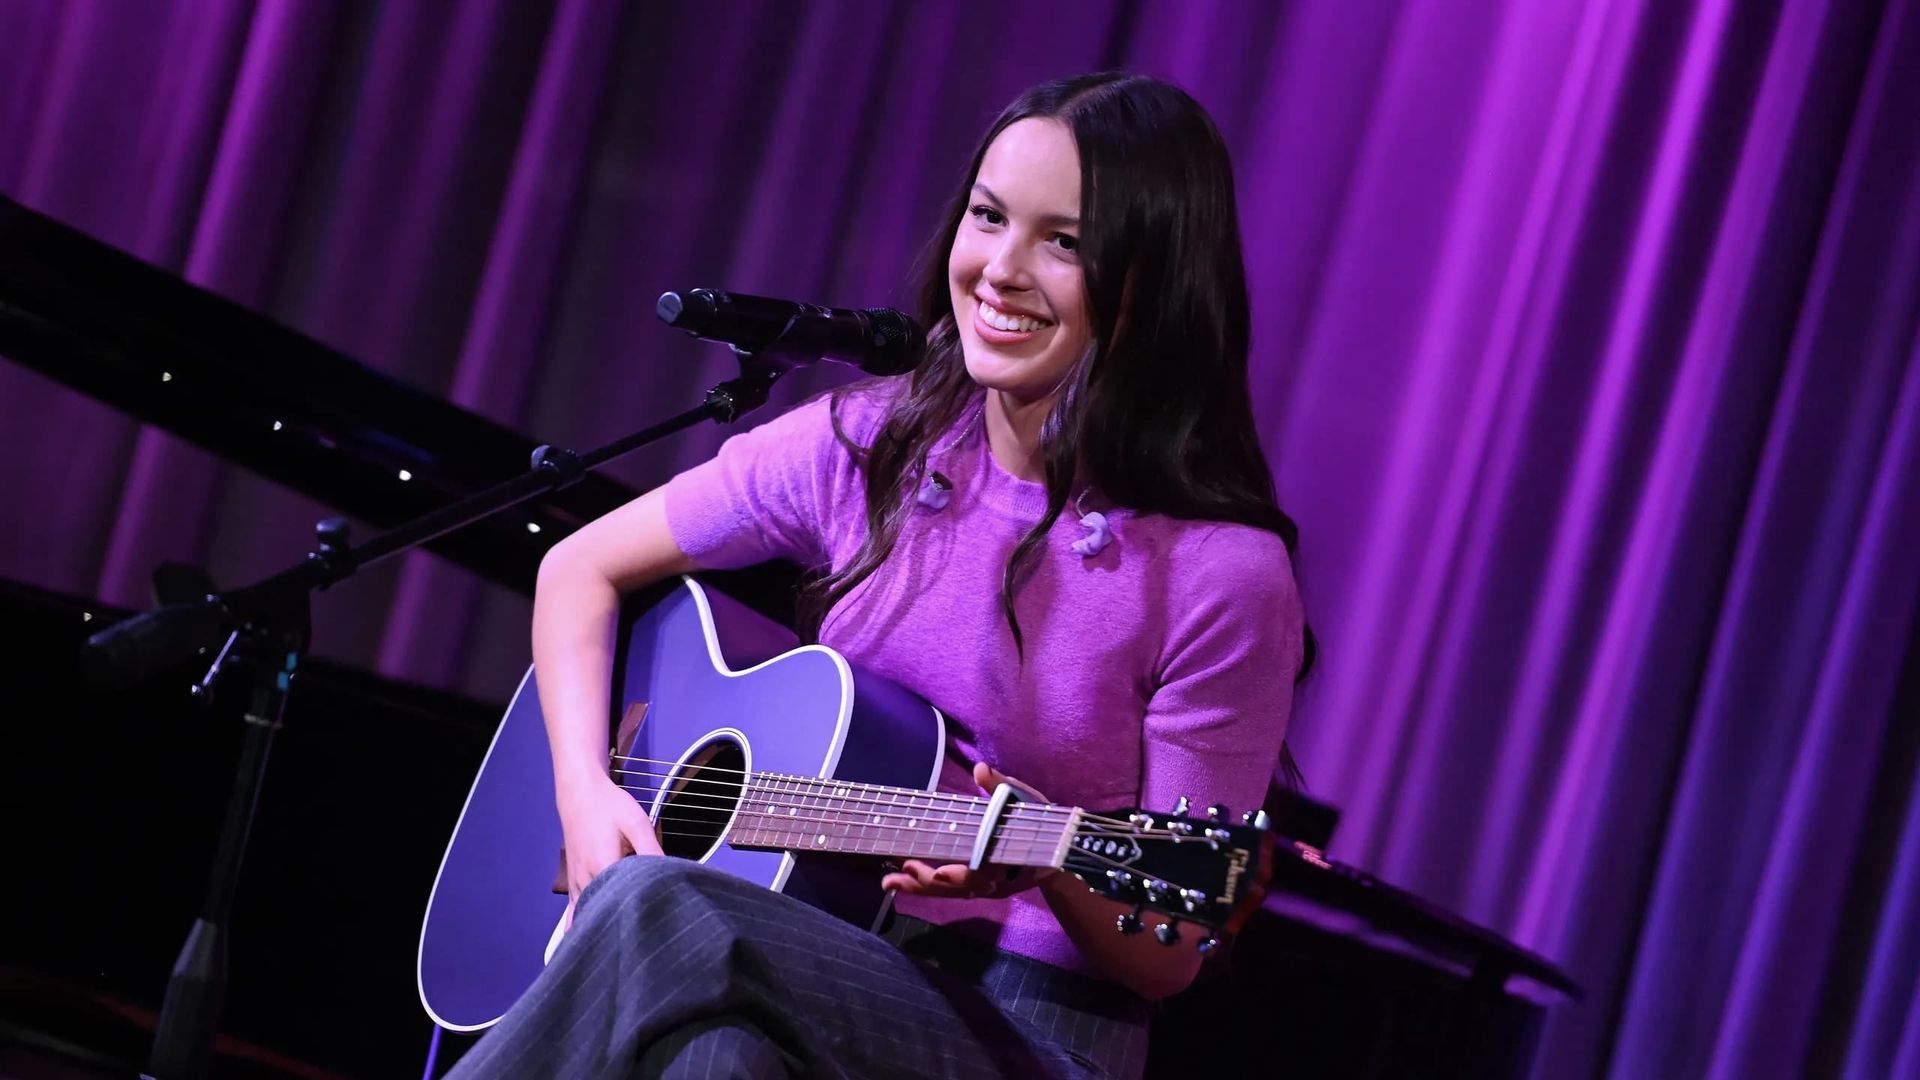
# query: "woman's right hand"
[600,822]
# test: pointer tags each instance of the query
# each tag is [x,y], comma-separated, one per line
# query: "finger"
[989,778]
[986,776]
[906,877]
[955,875]
[917,878]
[636,834]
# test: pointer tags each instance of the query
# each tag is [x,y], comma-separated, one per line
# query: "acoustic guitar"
[790,767]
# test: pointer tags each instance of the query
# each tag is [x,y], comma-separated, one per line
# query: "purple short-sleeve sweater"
[1159,665]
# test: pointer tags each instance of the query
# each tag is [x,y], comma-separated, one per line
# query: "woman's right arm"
[576,604]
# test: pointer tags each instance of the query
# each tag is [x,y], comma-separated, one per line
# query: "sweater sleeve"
[777,491]
[1217,717]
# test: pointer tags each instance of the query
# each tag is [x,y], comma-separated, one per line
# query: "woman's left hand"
[958,881]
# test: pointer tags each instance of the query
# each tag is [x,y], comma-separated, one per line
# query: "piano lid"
[267,397]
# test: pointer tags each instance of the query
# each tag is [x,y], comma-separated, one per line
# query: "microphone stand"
[267,628]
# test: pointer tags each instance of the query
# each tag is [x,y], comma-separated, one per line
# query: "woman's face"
[1019,295]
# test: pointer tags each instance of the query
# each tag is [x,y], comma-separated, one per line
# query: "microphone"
[145,645]
[879,341]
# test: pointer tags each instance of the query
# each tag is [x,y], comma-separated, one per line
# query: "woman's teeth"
[1000,320]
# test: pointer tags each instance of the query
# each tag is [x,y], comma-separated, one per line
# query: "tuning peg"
[1119,881]
[1193,898]
[1181,806]
[1207,945]
[1157,891]
[1217,812]
[1129,923]
[1256,818]
[1167,933]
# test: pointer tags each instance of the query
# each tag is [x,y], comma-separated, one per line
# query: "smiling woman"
[1088,347]
[1019,295]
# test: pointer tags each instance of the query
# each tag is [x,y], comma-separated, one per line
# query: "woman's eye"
[1067,241]
[986,215]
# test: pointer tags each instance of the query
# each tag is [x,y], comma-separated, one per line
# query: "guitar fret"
[818,811]
[954,834]
[945,829]
[903,838]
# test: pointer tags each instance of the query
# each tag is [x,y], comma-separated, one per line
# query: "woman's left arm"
[1212,732]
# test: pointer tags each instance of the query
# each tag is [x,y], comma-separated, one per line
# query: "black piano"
[112,799]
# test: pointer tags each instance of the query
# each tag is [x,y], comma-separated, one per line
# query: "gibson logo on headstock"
[1120,849]
[1236,868]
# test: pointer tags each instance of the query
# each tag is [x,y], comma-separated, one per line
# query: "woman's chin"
[993,374]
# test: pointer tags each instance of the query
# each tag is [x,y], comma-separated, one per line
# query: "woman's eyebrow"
[1060,221]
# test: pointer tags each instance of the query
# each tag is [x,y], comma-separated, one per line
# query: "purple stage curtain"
[1587,355]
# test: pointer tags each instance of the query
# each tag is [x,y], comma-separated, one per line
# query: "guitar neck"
[798,813]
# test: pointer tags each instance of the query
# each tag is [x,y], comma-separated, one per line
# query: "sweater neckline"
[967,451]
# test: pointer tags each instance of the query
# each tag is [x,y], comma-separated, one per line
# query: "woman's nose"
[1007,266]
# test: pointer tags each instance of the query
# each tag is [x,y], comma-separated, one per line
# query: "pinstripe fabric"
[675,970]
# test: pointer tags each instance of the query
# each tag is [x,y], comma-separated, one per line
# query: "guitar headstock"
[1204,869]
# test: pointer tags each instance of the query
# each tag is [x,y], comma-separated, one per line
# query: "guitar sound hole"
[700,799]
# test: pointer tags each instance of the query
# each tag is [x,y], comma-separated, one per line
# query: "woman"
[1061,531]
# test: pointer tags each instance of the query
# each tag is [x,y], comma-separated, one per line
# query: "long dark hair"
[1157,418]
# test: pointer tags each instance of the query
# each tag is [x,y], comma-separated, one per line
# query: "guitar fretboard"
[798,813]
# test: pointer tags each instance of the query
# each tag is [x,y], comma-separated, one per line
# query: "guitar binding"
[693,813]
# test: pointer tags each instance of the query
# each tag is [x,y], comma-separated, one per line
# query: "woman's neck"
[1013,434]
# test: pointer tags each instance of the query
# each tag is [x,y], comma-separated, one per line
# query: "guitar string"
[1072,853]
[1036,831]
[675,764]
[937,845]
[1041,834]
[1033,848]
[856,791]
[1066,865]
[1020,815]
[752,792]
[937,796]
[755,793]
[951,801]
[1040,839]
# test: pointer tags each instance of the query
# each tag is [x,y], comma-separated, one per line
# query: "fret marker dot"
[953,826]
[876,819]
[913,823]
[793,811]
[821,839]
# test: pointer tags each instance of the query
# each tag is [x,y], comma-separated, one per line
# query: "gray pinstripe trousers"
[675,970]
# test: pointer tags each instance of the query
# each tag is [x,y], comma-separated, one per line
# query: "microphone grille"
[691,311]
[898,342]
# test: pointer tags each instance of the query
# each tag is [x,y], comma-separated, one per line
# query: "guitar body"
[712,685]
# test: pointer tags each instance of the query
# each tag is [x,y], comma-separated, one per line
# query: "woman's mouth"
[1001,328]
